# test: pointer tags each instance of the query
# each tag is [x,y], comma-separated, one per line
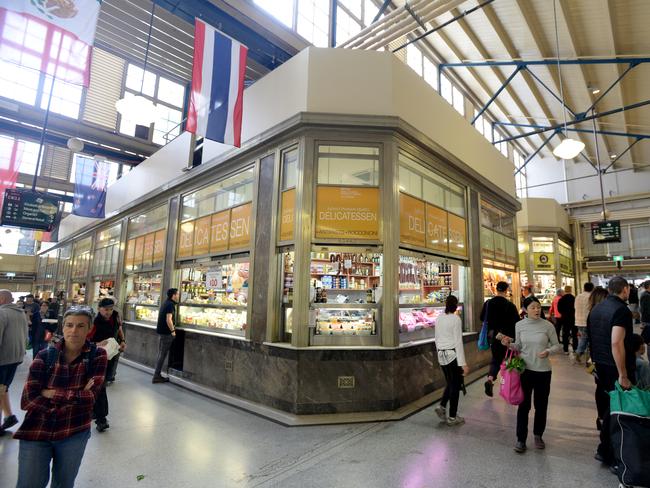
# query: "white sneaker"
[458,420]
[441,412]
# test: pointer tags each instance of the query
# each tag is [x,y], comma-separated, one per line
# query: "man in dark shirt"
[167,332]
[567,309]
[612,349]
[501,316]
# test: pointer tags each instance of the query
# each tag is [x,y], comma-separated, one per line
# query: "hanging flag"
[52,36]
[91,181]
[11,150]
[216,100]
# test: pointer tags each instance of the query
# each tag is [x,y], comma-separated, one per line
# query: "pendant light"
[568,148]
[137,108]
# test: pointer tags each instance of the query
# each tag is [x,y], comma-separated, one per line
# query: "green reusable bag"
[634,401]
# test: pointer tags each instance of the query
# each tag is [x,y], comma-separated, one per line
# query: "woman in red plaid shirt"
[59,396]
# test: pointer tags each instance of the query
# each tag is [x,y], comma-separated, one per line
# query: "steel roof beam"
[260,49]
[544,62]
[501,88]
[620,155]
[536,152]
[574,122]
[586,131]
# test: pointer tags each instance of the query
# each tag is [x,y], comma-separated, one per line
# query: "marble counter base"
[306,382]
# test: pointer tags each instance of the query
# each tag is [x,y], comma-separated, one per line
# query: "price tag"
[347,264]
[213,280]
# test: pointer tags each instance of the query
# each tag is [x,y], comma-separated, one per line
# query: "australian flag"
[91,181]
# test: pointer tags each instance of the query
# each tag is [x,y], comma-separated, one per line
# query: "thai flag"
[216,101]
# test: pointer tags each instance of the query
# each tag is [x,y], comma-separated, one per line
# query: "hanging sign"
[130,254]
[29,209]
[201,236]
[412,222]
[437,228]
[139,250]
[147,257]
[219,231]
[159,246]
[186,239]
[457,235]
[347,213]
[287,211]
[544,261]
[606,231]
[240,226]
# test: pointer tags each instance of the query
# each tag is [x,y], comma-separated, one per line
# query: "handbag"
[510,388]
[483,342]
[634,401]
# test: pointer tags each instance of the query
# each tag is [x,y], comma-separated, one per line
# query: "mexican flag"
[53,36]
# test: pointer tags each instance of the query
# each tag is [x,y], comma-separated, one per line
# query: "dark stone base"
[306,381]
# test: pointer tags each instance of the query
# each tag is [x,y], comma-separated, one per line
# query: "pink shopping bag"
[510,388]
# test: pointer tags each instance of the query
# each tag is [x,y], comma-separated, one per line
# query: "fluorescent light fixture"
[613,156]
[138,109]
[568,149]
[595,91]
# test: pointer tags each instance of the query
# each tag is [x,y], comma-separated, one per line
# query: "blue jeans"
[583,340]
[34,459]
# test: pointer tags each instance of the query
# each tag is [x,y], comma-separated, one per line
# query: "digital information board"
[606,231]
[30,209]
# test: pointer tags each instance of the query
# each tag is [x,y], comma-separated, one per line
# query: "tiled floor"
[176,438]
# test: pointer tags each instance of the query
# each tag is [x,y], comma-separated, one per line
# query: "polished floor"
[171,437]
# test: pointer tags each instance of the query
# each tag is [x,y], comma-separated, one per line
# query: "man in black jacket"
[501,315]
[612,348]
[567,308]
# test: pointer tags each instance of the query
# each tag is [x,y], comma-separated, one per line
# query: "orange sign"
[240,226]
[347,213]
[201,236]
[147,258]
[457,235]
[437,228]
[159,246]
[287,210]
[412,223]
[186,239]
[219,231]
[139,249]
[130,253]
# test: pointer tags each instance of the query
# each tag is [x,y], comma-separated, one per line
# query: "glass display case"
[102,289]
[345,290]
[214,296]
[288,259]
[491,276]
[78,293]
[143,297]
[425,282]
[545,288]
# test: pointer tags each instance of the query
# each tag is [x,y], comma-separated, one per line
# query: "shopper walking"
[611,329]
[451,357]
[105,326]
[566,307]
[554,315]
[501,315]
[167,332]
[582,311]
[37,331]
[535,340]
[63,383]
[13,338]
[601,396]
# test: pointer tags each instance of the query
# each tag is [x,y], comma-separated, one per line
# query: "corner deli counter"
[295,272]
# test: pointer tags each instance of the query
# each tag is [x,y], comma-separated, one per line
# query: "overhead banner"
[240,226]
[347,213]
[412,226]
[91,182]
[457,235]
[220,233]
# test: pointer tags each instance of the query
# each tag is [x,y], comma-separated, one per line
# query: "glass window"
[289,169]
[370,11]
[313,21]
[446,89]
[346,25]
[280,9]
[458,100]
[168,97]
[348,165]
[414,58]
[425,282]
[18,155]
[430,73]
[28,60]
[227,193]
[150,221]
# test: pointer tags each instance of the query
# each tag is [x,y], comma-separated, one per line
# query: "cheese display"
[213,318]
[146,314]
[345,322]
